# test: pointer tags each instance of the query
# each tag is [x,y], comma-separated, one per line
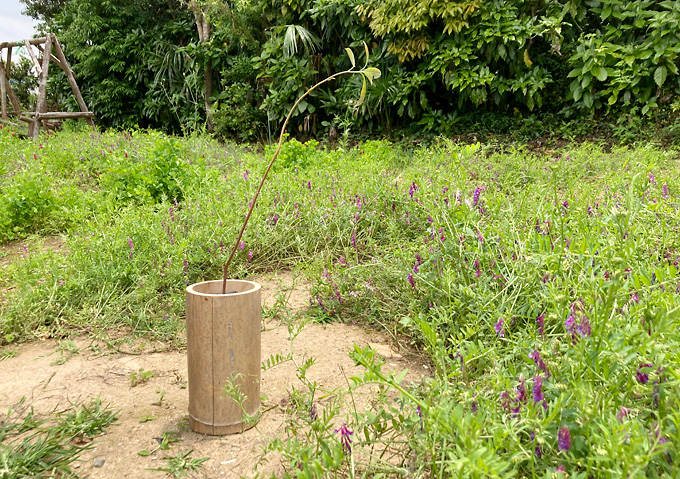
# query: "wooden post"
[8,88]
[54,59]
[9,63]
[41,104]
[33,58]
[71,79]
[3,91]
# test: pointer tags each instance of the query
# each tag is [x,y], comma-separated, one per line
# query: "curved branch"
[264,177]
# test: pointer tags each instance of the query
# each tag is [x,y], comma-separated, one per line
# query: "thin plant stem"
[271,163]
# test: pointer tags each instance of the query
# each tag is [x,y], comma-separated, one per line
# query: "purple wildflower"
[250,255]
[499,328]
[564,439]
[652,179]
[245,175]
[354,239]
[538,389]
[480,237]
[583,327]
[242,245]
[345,438]
[412,189]
[664,191]
[130,243]
[641,376]
[475,196]
[635,298]
[536,356]
[411,281]
[342,262]
[540,321]
[521,397]
[570,323]
[623,413]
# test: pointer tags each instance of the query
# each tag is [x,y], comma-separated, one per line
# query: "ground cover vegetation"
[32,446]
[534,68]
[542,287]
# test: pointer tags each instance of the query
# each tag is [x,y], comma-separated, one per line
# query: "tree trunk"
[203,27]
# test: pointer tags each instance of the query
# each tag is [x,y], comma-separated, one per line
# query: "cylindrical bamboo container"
[223,342]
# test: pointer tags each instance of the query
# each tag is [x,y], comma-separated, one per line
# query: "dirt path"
[50,387]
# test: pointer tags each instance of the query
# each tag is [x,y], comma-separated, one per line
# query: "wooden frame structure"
[41,115]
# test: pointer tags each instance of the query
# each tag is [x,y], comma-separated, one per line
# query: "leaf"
[527,60]
[367,55]
[144,453]
[599,72]
[362,96]
[350,54]
[372,73]
[660,75]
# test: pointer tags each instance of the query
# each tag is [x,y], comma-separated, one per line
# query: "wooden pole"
[58,115]
[52,57]
[34,59]
[3,92]
[9,91]
[9,63]
[32,41]
[41,104]
[71,79]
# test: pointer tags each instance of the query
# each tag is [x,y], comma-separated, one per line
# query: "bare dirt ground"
[95,371]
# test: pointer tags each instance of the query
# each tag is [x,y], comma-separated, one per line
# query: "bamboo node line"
[49,49]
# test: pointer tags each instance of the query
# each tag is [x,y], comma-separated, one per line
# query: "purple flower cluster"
[411,281]
[540,321]
[577,323]
[643,377]
[538,389]
[536,356]
[345,438]
[475,196]
[499,327]
[564,439]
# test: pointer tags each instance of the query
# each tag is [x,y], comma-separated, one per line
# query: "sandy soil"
[95,371]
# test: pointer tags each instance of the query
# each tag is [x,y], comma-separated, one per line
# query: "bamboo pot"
[223,344]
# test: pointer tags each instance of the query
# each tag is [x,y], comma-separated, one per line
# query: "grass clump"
[35,447]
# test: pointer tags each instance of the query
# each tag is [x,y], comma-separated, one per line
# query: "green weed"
[37,447]
[182,465]
[140,377]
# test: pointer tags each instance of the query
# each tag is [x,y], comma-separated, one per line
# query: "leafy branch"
[368,73]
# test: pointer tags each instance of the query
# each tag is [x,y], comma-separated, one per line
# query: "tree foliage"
[142,61]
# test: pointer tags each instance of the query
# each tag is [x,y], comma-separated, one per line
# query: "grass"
[47,446]
[543,288]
